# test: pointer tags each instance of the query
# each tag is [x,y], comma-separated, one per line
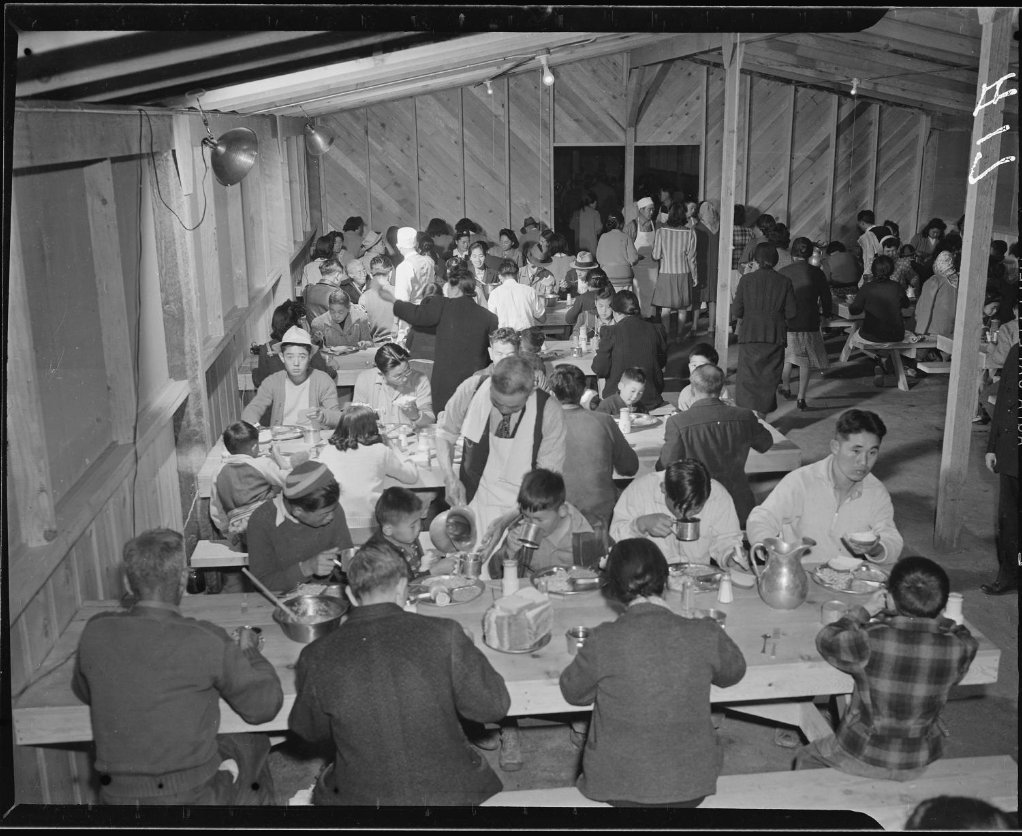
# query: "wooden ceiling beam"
[348,76]
[678,46]
[126,71]
[945,41]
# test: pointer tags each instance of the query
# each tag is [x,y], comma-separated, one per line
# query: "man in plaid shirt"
[904,665]
[740,236]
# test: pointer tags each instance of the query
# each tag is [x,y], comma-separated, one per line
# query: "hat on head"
[643,202]
[406,238]
[297,336]
[370,238]
[584,261]
[887,238]
[307,478]
[544,257]
[529,221]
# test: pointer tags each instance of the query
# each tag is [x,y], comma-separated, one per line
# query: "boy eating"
[399,515]
[541,502]
[701,355]
[244,482]
[904,665]
[630,390]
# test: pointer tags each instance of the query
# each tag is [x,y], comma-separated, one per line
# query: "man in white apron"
[642,229]
[509,428]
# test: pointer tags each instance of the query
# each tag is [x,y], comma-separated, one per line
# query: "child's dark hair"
[395,504]
[705,350]
[635,567]
[239,436]
[919,587]
[883,267]
[906,251]
[567,382]
[358,425]
[541,490]
[532,339]
[634,373]
[687,485]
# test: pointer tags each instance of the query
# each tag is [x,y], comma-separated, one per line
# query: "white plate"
[844,564]
[642,421]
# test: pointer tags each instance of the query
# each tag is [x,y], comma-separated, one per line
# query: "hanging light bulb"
[548,77]
[855,87]
[489,87]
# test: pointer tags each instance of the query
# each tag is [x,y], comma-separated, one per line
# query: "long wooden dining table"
[783,675]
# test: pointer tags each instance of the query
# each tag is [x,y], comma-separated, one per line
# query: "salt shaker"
[625,420]
[509,582]
[725,593]
[953,610]
[687,595]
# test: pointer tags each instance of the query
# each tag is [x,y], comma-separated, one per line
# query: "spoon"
[765,636]
[273,598]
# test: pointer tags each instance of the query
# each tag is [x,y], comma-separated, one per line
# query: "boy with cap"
[296,535]
[904,664]
[413,275]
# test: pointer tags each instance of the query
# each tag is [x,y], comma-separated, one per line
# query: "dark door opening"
[671,167]
[578,169]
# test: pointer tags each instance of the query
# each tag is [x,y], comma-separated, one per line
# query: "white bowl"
[863,539]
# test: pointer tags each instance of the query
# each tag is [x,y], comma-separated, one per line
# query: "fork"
[773,647]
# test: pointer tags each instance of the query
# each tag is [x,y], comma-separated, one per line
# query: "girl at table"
[360,459]
[398,393]
[299,394]
[583,309]
[648,676]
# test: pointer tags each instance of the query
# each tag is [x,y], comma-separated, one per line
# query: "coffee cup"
[576,638]
[531,536]
[687,530]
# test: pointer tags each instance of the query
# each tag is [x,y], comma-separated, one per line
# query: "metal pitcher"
[783,584]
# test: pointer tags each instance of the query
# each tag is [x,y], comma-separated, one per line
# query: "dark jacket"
[649,673]
[720,436]
[882,302]
[1003,439]
[317,298]
[812,295]
[387,687]
[632,342]
[764,301]
[153,681]
[461,330]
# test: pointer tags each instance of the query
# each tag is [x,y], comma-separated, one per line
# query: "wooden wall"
[458,153]
[811,158]
[106,432]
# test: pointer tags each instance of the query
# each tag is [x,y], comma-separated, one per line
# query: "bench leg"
[899,369]
[846,352]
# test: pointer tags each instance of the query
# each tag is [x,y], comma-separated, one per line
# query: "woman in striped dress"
[675,247]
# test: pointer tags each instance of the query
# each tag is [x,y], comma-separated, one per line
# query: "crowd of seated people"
[541,449]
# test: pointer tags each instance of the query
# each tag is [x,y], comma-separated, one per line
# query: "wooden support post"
[979,210]
[119,355]
[176,259]
[922,139]
[732,49]
[633,98]
[28,458]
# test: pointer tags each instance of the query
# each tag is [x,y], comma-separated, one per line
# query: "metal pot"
[304,633]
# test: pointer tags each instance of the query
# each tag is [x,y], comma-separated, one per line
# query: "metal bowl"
[706,577]
[302,632]
[551,300]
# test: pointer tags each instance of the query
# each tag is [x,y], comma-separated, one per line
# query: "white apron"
[644,240]
[496,495]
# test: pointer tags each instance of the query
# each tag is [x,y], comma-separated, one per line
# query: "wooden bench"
[993,779]
[210,555]
[933,367]
[895,350]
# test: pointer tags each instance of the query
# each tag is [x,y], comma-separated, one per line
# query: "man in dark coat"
[718,435]
[387,687]
[764,302]
[153,680]
[1002,459]
[462,331]
[631,342]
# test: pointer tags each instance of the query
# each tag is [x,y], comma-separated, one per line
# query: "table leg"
[899,369]
[802,714]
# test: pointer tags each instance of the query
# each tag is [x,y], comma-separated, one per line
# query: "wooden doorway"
[581,168]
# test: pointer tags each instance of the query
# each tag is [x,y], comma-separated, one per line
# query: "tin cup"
[576,638]
[531,536]
[687,530]
[831,611]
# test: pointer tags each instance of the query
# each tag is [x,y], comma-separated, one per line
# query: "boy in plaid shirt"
[904,665]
